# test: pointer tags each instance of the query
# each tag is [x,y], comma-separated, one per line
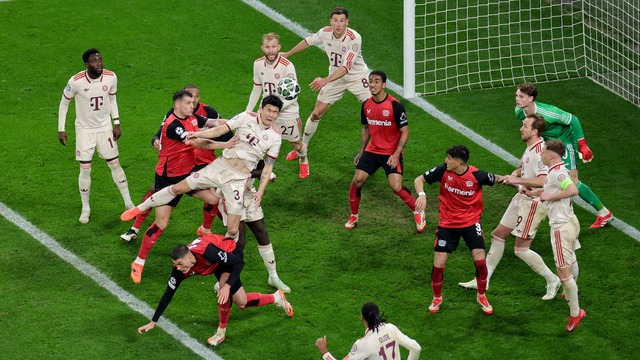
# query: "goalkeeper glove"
[584,152]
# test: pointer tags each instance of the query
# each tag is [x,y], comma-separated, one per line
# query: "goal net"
[478,44]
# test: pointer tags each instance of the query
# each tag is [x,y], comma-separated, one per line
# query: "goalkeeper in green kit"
[565,127]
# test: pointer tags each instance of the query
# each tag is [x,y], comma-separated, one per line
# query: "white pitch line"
[433,111]
[104,281]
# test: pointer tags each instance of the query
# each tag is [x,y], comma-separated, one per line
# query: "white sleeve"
[409,344]
[67,94]
[62,113]
[314,39]
[115,114]
[358,351]
[114,107]
[254,97]
[328,356]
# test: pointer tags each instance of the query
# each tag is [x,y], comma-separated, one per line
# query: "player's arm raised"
[302,45]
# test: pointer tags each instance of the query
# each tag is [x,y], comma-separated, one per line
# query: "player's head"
[371,315]
[339,21]
[183,259]
[183,103]
[532,127]
[93,61]
[526,93]
[377,82]
[195,92]
[270,109]
[270,46]
[459,152]
[553,152]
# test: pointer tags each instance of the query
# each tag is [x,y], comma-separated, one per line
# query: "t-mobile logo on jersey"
[96,102]
[335,59]
[269,88]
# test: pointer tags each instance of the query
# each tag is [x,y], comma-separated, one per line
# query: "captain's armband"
[566,182]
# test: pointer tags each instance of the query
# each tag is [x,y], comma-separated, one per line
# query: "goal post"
[476,44]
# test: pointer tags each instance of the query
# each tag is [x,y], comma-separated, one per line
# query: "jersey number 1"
[383,352]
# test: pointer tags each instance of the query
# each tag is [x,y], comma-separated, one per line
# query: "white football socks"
[571,293]
[159,198]
[269,258]
[84,184]
[309,130]
[494,255]
[121,181]
[535,262]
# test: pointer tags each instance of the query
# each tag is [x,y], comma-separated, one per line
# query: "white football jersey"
[269,75]
[558,211]
[346,52]
[382,344]
[532,165]
[92,98]
[255,140]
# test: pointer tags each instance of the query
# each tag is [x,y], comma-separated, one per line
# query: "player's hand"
[510,180]
[393,161]
[421,203]
[62,137]
[147,327]
[357,159]
[584,152]
[117,132]
[232,142]
[318,83]
[321,344]
[257,198]
[223,294]
[544,196]
[192,135]
[157,145]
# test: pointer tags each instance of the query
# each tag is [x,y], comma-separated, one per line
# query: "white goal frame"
[497,43]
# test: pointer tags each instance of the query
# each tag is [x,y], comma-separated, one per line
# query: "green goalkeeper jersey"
[561,125]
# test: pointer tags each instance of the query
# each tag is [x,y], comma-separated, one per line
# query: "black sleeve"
[399,114]
[202,121]
[484,178]
[435,174]
[157,135]
[174,281]
[363,116]
[211,112]
[176,131]
[214,254]
[224,137]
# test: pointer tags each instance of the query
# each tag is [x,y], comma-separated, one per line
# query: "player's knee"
[161,222]
[396,187]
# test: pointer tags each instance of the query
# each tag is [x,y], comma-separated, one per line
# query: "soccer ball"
[288,88]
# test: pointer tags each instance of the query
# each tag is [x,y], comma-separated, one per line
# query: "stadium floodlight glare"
[477,44]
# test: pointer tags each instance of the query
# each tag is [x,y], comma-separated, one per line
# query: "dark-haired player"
[176,161]
[230,172]
[214,254]
[460,211]
[385,133]
[94,90]
[347,69]
[203,157]
[381,339]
